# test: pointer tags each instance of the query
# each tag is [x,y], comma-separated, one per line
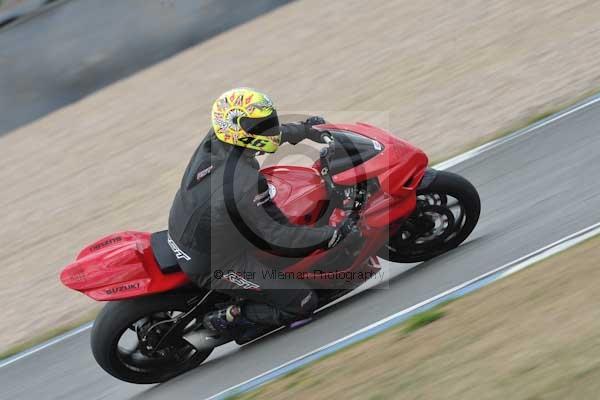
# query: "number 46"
[254,142]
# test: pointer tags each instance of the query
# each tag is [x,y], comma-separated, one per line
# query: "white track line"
[507,269]
[442,166]
[498,142]
[44,345]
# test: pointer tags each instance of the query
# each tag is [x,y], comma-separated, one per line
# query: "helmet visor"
[265,126]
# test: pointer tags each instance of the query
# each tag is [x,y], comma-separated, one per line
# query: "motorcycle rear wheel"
[447,212]
[131,362]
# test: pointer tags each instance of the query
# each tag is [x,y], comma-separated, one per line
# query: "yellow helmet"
[245,117]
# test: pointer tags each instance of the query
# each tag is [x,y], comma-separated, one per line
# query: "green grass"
[541,116]
[425,318]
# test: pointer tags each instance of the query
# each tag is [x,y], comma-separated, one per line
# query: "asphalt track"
[71,49]
[535,189]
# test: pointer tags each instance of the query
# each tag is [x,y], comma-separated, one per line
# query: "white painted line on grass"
[441,166]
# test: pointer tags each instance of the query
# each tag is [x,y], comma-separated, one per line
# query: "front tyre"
[447,212]
[129,339]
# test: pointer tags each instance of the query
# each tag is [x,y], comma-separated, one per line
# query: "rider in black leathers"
[222,215]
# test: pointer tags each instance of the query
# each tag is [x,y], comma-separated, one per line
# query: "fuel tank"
[299,192]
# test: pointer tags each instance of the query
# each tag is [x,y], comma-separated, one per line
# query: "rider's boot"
[255,320]
[231,320]
[223,320]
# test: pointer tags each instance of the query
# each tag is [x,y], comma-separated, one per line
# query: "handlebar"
[325,157]
[325,154]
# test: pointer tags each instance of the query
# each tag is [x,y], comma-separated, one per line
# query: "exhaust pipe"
[203,339]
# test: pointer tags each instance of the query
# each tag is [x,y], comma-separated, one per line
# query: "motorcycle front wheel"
[447,212]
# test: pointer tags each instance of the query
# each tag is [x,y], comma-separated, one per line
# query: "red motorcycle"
[151,329]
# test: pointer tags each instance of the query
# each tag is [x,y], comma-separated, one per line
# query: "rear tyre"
[126,337]
[447,212]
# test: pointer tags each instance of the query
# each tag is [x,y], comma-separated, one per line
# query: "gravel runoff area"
[533,335]
[445,75]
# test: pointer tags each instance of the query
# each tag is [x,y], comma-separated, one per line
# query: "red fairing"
[399,167]
[383,209]
[119,266]
[298,191]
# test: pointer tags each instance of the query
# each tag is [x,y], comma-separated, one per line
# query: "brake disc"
[443,222]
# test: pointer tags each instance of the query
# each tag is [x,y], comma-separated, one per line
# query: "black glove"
[345,229]
[296,132]
[315,120]
[312,133]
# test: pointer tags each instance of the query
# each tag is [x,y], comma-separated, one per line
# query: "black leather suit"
[222,216]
